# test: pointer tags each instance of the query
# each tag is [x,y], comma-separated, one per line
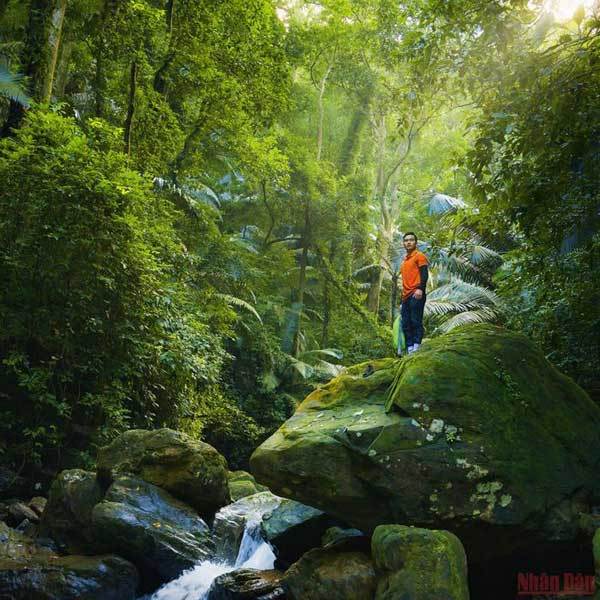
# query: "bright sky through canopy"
[564,10]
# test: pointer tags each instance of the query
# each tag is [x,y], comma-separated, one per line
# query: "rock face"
[329,575]
[190,470]
[290,527]
[247,584]
[480,431]
[28,571]
[159,534]
[293,528]
[68,512]
[420,564]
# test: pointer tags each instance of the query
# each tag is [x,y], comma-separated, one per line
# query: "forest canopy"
[202,203]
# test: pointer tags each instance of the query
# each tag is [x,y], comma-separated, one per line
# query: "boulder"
[231,522]
[481,434]
[290,527]
[242,484]
[419,564]
[247,584]
[329,575]
[190,470]
[346,540]
[29,571]
[159,534]
[19,512]
[68,513]
[293,529]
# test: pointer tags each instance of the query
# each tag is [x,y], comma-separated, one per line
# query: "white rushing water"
[194,584]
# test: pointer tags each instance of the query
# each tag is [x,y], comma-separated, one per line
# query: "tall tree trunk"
[109,9]
[62,69]
[130,107]
[54,37]
[306,241]
[42,44]
[321,112]
[381,243]
[160,80]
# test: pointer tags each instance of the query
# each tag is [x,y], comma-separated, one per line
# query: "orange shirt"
[411,277]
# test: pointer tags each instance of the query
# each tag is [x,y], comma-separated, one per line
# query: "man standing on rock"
[414,272]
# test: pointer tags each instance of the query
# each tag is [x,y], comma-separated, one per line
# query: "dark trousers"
[412,320]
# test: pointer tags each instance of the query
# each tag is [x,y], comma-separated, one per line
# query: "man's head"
[410,241]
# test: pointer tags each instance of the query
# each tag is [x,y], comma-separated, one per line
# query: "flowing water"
[253,553]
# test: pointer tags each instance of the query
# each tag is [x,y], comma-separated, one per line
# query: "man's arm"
[424,272]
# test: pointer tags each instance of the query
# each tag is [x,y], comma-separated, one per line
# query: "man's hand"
[418,294]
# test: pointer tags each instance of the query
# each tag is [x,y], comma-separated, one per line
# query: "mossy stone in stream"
[68,512]
[482,431]
[29,571]
[330,575]
[420,564]
[189,469]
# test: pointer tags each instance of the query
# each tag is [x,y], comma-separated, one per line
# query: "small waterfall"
[194,584]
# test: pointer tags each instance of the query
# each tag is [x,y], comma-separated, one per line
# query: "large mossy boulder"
[68,513]
[29,571]
[159,534]
[330,575]
[420,564]
[190,470]
[480,430]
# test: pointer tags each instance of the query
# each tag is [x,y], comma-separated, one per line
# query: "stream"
[253,553]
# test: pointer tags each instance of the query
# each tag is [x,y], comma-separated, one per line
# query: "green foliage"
[97,332]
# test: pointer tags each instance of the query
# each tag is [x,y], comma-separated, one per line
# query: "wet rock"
[293,529]
[190,470]
[29,571]
[230,522]
[19,512]
[290,527]
[346,540]
[68,512]
[145,524]
[481,432]
[329,575]
[419,564]
[247,584]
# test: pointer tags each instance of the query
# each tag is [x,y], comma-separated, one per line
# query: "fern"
[233,301]
[12,86]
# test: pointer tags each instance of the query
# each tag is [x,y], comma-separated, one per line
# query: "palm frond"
[334,352]
[464,292]
[484,314]
[456,264]
[480,254]
[444,307]
[233,301]
[12,86]
[442,204]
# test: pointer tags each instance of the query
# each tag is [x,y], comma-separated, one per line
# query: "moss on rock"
[68,513]
[419,564]
[329,575]
[480,428]
[190,470]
